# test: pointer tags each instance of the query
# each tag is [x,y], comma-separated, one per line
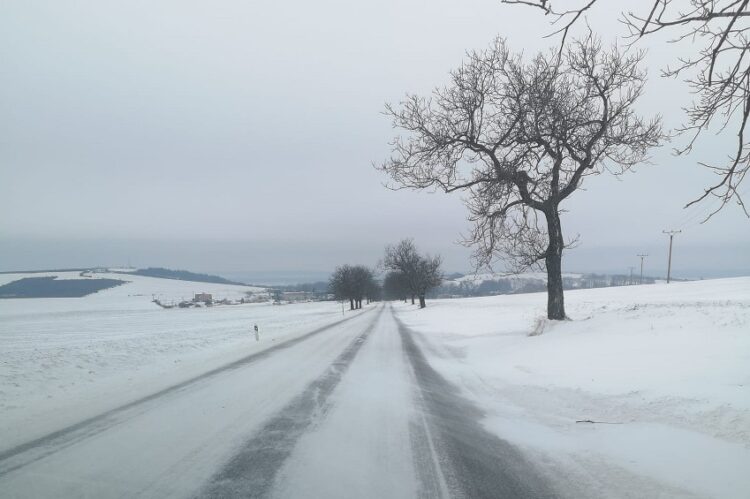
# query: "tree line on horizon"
[409,274]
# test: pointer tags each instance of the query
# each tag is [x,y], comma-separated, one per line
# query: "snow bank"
[669,365]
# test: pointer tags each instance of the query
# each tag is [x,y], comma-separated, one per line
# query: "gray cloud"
[232,124]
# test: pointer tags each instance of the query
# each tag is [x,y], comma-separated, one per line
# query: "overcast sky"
[240,135]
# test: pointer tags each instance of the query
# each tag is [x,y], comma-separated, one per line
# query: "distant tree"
[518,138]
[419,273]
[374,291]
[714,41]
[403,258]
[493,287]
[363,283]
[395,286]
[341,284]
[353,283]
[429,276]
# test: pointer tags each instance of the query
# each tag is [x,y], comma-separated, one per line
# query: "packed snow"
[663,371]
[64,359]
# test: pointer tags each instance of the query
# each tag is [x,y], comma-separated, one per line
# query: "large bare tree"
[518,138]
[714,35]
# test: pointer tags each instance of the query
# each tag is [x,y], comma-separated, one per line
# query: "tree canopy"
[518,138]
[714,41]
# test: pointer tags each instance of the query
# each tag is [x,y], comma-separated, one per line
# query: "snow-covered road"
[348,410]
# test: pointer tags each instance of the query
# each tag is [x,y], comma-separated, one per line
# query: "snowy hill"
[136,293]
[662,370]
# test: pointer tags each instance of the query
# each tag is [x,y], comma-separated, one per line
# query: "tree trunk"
[412,299]
[555,298]
[351,303]
[422,304]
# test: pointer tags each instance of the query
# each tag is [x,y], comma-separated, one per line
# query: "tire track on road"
[473,462]
[21,455]
[252,471]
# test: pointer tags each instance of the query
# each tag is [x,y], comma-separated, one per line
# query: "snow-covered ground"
[667,365]
[64,359]
[662,371]
[479,278]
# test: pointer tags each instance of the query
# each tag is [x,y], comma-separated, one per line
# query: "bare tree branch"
[518,138]
[718,32]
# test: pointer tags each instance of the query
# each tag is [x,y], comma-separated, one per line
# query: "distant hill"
[43,271]
[51,287]
[459,285]
[181,275]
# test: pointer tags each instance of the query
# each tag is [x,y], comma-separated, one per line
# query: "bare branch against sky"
[713,40]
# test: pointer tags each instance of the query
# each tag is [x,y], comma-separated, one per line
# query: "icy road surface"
[349,410]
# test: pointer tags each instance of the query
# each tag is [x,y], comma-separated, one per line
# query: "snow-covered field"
[664,370]
[64,359]
[478,278]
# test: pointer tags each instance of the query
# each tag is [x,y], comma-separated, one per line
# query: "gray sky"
[239,135]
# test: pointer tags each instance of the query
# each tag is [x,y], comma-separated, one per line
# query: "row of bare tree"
[410,274]
[354,283]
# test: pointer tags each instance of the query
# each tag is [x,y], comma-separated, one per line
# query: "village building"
[295,296]
[203,298]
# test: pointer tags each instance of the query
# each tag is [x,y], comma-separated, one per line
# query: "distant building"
[295,296]
[203,298]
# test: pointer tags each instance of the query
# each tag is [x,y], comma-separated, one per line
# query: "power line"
[698,213]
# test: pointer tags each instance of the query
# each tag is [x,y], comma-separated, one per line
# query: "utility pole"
[671,234]
[642,256]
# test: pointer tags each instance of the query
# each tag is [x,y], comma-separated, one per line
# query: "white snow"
[365,435]
[64,359]
[669,364]
[479,278]
[171,446]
